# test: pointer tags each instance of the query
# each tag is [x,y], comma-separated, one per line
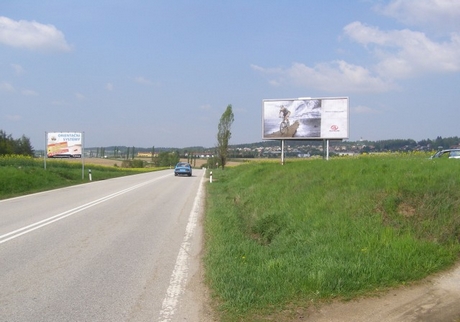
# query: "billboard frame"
[336,123]
[54,143]
[319,118]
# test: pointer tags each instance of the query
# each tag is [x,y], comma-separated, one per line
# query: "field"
[280,239]
[111,162]
[98,161]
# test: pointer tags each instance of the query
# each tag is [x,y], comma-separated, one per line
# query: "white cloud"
[80,96]
[205,107]
[397,54]
[18,69]
[59,103]
[6,87]
[405,53]
[360,109]
[14,117]
[31,35]
[142,80]
[28,92]
[436,14]
[335,77]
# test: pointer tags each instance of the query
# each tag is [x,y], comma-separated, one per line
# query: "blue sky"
[161,73]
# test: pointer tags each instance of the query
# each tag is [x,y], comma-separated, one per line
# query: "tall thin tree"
[224,134]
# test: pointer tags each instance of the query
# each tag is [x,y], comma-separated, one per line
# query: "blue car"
[183,168]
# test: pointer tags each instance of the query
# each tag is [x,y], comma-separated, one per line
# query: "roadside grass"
[280,238]
[21,175]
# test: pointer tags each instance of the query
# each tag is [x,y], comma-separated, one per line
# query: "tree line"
[9,145]
[22,146]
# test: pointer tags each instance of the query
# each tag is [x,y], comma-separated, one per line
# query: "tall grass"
[288,235]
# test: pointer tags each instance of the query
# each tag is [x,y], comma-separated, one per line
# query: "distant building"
[144,154]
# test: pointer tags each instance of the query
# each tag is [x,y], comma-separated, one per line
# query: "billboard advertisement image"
[64,145]
[305,118]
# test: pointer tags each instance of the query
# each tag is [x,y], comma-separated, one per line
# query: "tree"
[166,159]
[9,146]
[24,147]
[6,146]
[224,134]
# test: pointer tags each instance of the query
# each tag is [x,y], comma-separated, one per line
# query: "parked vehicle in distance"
[447,154]
[183,168]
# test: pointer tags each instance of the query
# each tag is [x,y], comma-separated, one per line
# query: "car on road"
[183,168]
[447,154]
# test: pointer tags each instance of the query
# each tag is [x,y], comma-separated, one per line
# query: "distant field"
[97,161]
[198,163]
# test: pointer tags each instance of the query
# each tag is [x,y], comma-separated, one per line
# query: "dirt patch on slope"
[436,298]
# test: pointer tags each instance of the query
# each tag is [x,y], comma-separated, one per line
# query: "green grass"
[288,236]
[22,175]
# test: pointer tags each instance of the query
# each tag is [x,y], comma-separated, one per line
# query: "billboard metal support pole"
[83,156]
[45,151]
[282,152]
[327,149]
[324,149]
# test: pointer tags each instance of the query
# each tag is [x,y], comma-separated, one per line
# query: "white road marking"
[27,229]
[180,272]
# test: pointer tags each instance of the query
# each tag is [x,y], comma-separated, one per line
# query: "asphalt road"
[116,250]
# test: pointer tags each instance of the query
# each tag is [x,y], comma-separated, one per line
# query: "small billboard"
[305,119]
[64,144]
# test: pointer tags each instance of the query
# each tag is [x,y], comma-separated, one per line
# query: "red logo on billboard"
[334,128]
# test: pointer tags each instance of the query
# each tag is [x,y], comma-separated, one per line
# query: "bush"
[133,163]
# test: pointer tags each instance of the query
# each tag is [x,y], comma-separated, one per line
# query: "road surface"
[124,249]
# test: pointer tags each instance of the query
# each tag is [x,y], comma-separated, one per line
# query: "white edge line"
[180,272]
[27,229]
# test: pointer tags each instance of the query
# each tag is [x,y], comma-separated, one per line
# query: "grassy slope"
[279,236]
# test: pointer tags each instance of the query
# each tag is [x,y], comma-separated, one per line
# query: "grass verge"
[21,175]
[279,237]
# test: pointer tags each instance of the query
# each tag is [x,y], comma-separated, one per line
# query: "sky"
[161,73]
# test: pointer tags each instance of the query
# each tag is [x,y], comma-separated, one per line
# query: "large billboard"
[305,118]
[64,144]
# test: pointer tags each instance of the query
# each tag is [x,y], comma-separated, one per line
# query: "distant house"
[144,154]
